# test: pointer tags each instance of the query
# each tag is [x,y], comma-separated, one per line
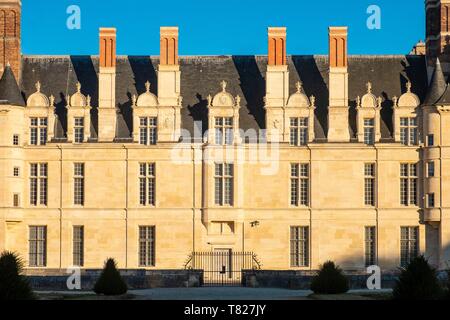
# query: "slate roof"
[9,90]
[201,75]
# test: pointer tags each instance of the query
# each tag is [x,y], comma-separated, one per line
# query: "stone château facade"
[298,159]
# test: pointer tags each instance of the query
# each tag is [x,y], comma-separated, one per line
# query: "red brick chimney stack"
[169,46]
[10,50]
[338,47]
[277,46]
[107,47]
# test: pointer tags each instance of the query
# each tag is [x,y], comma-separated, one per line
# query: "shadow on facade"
[86,74]
[312,75]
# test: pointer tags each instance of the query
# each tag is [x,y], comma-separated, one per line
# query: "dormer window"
[40,113]
[368,117]
[78,129]
[223,127]
[78,116]
[297,120]
[369,131]
[404,117]
[223,118]
[408,131]
[298,131]
[148,130]
[38,131]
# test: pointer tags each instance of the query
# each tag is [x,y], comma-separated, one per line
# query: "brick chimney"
[169,46]
[438,34]
[169,99]
[10,51]
[107,86]
[277,46]
[338,129]
[277,84]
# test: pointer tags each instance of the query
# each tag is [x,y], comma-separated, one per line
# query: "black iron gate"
[222,267]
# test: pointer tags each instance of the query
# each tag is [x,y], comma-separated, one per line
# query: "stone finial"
[408,87]
[224,85]
[38,86]
[133,100]
[369,87]
[88,100]
[379,101]
[312,99]
[358,101]
[78,87]
[180,101]
[52,101]
[209,100]
[298,85]
[147,86]
[395,101]
[238,101]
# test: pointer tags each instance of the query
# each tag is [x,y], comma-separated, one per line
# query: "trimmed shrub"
[110,282]
[13,285]
[417,281]
[329,280]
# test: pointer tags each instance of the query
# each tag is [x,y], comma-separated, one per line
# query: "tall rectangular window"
[78,187]
[38,183]
[369,184]
[430,200]
[223,184]
[430,169]
[16,200]
[408,131]
[147,246]
[147,184]
[223,128]
[409,244]
[15,139]
[37,246]
[299,246]
[148,130]
[408,184]
[78,246]
[430,140]
[299,184]
[298,131]
[369,131]
[78,129]
[370,246]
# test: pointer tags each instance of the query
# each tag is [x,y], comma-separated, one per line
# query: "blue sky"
[211,27]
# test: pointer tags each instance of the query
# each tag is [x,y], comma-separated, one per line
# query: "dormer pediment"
[38,99]
[147,99]
[408,99]
[78,99]
[299,99]
[224,98]
[369,100]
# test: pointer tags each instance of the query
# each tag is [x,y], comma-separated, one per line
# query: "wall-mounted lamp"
[254,224]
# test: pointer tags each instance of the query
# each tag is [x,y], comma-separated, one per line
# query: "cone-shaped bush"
[417,281]
[13,285]
[110,282]
[329,280]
